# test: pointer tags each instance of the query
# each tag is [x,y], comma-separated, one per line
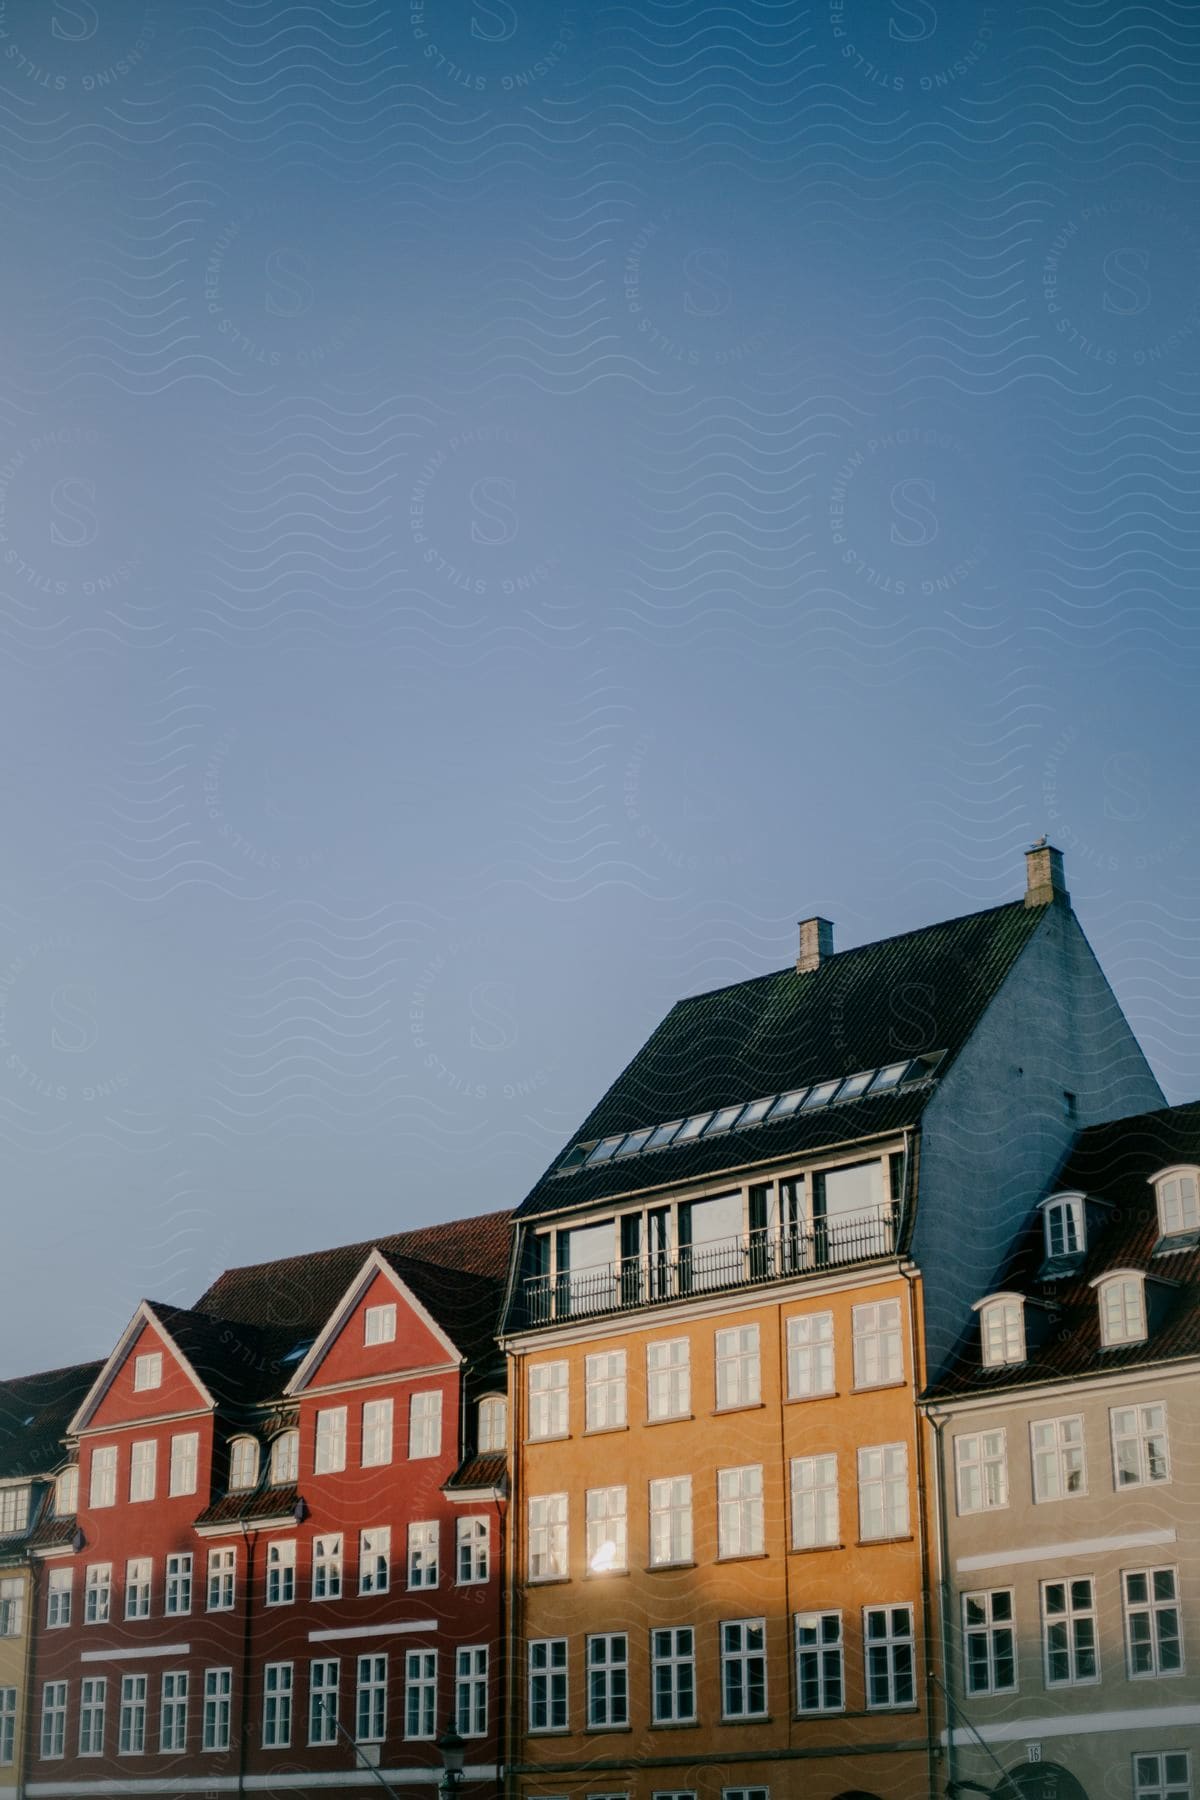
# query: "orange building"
[725,1295]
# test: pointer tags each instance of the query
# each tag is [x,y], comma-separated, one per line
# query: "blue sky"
[505,508]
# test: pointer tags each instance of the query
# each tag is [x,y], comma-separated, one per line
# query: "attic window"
[298,1352]
[14,1509]
[691,1128]
[1002,1330]
[493,1423]
[66,1492]
[724,1120]
[787,1104]
[820,1095]
[379,1324]
[147,1371]
[605,1148]
[756,1112]
[854,1085]
[243,1464]
[889,1077]
[664,1135]
[1122,1308]
[1178,1201]
[636,1141]
[285,1459]
[1065,1227]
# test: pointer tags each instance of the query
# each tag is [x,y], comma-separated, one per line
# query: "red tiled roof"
[262,1503]
[479,1472]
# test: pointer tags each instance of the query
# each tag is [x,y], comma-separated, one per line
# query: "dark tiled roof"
[238,1364]
[261,1503]
[479,1472]
[35,1411]
[918,993]
[51,1532]
[457,1271]
[1110,1162]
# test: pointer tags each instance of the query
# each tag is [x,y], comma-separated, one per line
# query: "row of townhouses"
[826,1421]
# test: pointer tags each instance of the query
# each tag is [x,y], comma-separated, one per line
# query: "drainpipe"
[516,1429]
[938,1427]
[35,1600]
[504,1684]
[249,1539]
[911,1277]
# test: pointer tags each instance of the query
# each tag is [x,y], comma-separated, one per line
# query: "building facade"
[719,1322]
[1068,1450]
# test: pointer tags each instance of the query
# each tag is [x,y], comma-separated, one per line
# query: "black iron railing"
[738,1262]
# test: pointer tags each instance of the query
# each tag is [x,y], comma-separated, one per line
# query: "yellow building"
[725,1294]
[36,1510]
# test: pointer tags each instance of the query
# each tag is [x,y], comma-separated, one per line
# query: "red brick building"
[284,1569]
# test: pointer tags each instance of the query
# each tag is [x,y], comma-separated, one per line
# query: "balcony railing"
[711,1268]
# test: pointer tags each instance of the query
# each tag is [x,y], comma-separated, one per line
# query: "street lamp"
[453,1749]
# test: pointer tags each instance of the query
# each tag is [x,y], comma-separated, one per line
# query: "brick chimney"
[816,943]
[1044,879]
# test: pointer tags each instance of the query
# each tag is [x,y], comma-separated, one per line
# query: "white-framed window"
[185,1456]
[8,1727]
[173,1712]
[820,1663]
[93,1699]
[981,1470]
[60,1585]
[669,1379]
[1002,1331]
[1141,1455]
[324,1681]
[814,1501]
[740,1511]
[1069,1645]
[745,1793]
[606,1514]
[607,1679]
[131,1727]
[147,1371]
[139,1574]
[281,1572]
[278,1678]
[327,1566]
[329,1456]
[420,1694]
[810,1355]
[178,1595]
[370,1705]
[97,1593]
[222,1578]
[673,1674]
[423,1554]
[243,1464]
[671,1520]
[989,1642]
[605,1388]
[425,1425]
[471,1690]
[379,1323]
[1178,1196]
[1122,1300]
[878,1349]
[374,1559]
[549,1400]
[472,1541]
[548,1684]
[888,1654]
[1059,1465]
[143,1462]
[54,1720]
[376,1433]
[739,1367]
[102,1490]
[547,1537]
[743,1668]
[285,1459]
[12,1605]
[493,1423]
[14,1509]
[1162,1775]
[66,1491]
[883,1491]
[1065,1225]
[1153,1633]
[214,1728]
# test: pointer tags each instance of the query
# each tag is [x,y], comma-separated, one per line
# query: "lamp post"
[453,1749]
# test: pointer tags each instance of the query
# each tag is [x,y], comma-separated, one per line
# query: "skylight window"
[298,1352]
[722,1120]
[821,1095]
[573,1158]
[691,1128]
[664,1135]
[637,1140]
[605,1148]
[854,1085]
[889,1077]
[786,1104]
[756,1112]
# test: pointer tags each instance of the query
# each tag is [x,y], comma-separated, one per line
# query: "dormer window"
[1178,1193]
[285,1458]
[1122,1298]
[243,1464]
[1065,1226]
[493,1423]
[1002,1330]
[66,1492]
